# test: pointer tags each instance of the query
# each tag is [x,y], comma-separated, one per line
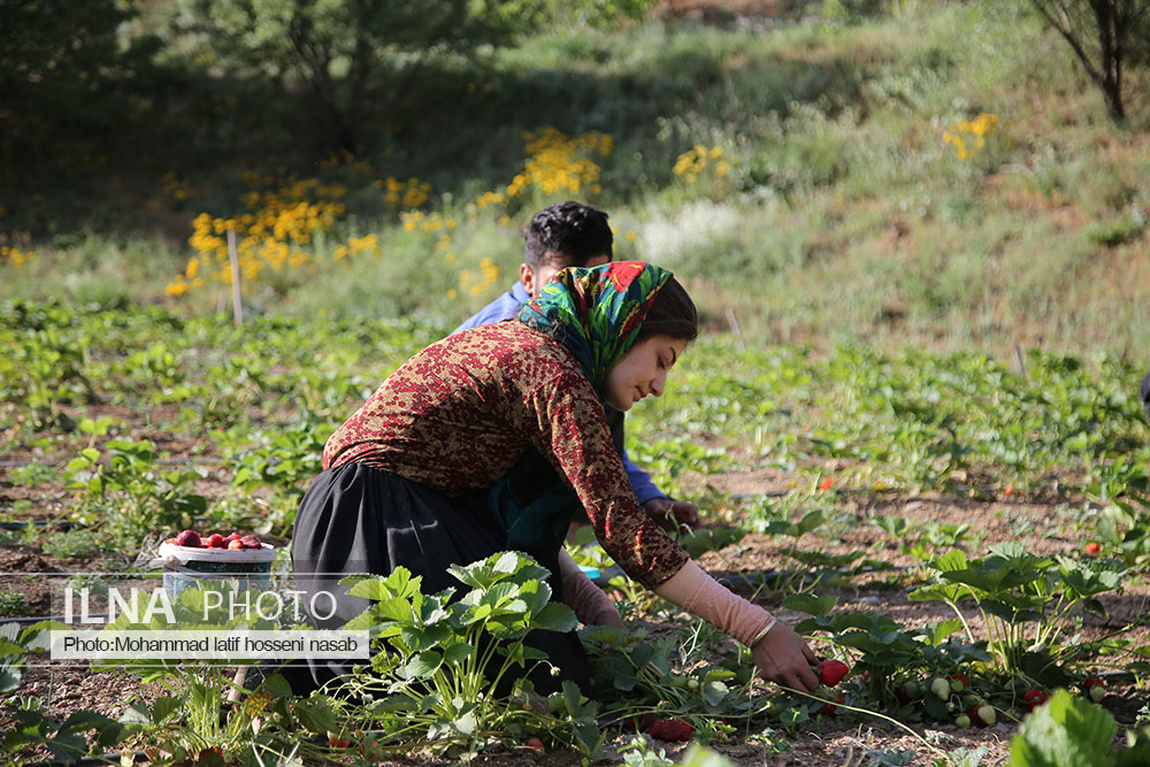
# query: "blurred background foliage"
[934,172]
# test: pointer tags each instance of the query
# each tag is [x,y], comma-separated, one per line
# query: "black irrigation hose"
[91,761]
[40,523]
[31,621]
[163,461]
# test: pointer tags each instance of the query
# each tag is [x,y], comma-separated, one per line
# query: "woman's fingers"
[785,658]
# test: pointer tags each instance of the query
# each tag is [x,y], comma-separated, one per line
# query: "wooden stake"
[733,322]
[237,294]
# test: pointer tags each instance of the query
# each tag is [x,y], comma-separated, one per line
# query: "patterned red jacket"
[458,415]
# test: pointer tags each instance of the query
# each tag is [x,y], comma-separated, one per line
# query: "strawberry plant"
[196,722]
[284,459]
[1069,731]
[15,644]
[124,489]
[441,659]
[66,741]
[892,664]
[649,679]
[1031,604]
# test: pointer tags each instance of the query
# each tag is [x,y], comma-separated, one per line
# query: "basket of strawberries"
[244,561]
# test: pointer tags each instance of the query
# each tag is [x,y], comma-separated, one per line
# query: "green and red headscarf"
[596,312]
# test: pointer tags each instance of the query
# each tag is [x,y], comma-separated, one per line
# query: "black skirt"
[357,519]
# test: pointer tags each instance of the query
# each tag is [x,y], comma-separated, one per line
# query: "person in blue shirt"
[572,234]
[1144,393]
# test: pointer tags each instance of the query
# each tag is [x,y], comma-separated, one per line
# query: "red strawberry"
[215,541]
[233,545]
[826,484]
[251,542]
[1035,698]
[338,741]
[1008,490]
[831,672]
[670,729]
[905,694]
[1094,688]
[535,745]
[1092,548]
[188,538]
[369,748]
[830,709]
[232,536]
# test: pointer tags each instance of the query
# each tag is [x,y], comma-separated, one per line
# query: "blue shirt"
[504,308]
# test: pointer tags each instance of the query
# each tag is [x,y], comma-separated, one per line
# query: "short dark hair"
[567,234]
[672,313]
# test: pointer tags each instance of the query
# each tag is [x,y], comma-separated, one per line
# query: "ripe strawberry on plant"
[645,721]
[1092,547]
[338,741]
[1035,698]
[369,748]
[831,672]
[188,538]
[535,745]
[1094,688]
[907,692]
[830,709]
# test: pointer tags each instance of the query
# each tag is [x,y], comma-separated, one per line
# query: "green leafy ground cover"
[224,430]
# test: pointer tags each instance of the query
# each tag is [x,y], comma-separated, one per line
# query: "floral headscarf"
[596,312]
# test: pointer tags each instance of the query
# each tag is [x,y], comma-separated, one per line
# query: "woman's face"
[641,371]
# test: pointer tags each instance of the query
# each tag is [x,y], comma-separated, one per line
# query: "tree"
[65,75]
[354,53]
[1101,34]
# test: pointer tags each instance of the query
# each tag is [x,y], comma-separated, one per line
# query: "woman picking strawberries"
[484,442]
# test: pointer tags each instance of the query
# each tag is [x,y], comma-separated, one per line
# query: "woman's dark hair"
[672,313]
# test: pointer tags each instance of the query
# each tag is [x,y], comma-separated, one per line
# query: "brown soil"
[1037,524]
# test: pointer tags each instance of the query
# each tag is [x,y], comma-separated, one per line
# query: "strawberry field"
[964,541]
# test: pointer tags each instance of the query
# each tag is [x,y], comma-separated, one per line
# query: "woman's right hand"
[785,659]
[782,655]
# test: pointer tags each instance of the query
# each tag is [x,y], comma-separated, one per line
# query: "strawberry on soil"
[670,729]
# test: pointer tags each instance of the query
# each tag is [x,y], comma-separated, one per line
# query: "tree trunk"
[1111,39]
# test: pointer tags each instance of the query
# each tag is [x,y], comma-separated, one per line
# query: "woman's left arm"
[591,605]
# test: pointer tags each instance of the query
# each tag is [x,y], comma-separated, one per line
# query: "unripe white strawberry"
[987,715]
[940,687]
[1095,688]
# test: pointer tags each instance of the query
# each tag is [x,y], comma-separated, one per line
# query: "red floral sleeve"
[573,433]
